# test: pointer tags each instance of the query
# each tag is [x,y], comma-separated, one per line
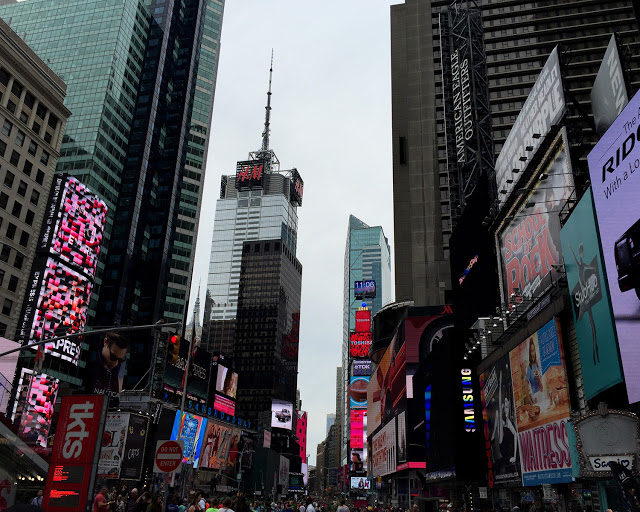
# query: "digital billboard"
[609,91]
[357,429]
[615,181]
[296,189]
[131,467]
[543,108]
[301,433]
[596,334]
[359,344]
[189,428]
[226,380]
[250,174]
[113,443]
[364,289]
[283,472]
[500,426]
[363,320]
[361,368]
[33,408]
[360,482]
[383,450]
[281,414]
[541,397]
[358,392]
[530,242]
[220,447]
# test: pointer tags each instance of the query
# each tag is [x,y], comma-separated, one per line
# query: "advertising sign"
[383,450]
[609,92]
[364,289]
[189,428]
[541,397]
[281,414]
[530,242]
[7,490]
[296,189]
[226,381]
[250,174]
[359,344]
[358,392]
[360,368]
[113,442]
[131,467]
[500,426]
[590,300]
[615,180]
[72,455]
[543,108]
[363,320]
[220,447]
[357,429]
[360,482]
[283,473]
[301,433]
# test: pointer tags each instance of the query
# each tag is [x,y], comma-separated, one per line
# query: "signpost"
[168,458]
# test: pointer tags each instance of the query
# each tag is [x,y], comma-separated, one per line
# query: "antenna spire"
[265,133]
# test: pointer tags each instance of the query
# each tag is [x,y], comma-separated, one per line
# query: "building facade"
[33,119]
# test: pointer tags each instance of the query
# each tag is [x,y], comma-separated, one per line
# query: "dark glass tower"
[141,77]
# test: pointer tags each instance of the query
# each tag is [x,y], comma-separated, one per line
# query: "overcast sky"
[331,119]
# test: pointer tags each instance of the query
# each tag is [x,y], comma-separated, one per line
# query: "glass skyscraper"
[141,77]
[367,257]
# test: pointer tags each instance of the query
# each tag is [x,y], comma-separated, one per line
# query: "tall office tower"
[518,37]
[33,118]
[141,78]
[267,328]
[331,419]
[259,202]
[367,260]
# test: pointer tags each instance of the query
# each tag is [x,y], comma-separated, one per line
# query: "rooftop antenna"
[265,133]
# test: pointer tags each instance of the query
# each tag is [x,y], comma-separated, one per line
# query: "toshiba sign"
[73,453]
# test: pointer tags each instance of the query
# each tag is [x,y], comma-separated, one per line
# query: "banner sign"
[615,180]
[543,108]
[133,455]
[609,91]
[541,397]
[383,450]
[113,442]
[596,334]
[358,392]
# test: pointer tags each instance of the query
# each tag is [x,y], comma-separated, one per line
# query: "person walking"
[100,503]
[310,507]
[342,507]
[37,501]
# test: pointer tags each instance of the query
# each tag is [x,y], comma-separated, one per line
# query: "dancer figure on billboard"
[534,373]
[504,428]
[582,278]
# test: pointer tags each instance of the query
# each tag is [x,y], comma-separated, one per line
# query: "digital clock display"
[68,474]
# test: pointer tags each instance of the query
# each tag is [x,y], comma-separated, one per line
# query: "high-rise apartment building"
[367,258]
[141,78]
[32,121]
[518,38]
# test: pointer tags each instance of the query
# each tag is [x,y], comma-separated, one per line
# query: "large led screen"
[595,331]
[358,392]
[363,320]
[360,482]
[33,407]
[220,447]
[281,414]
[541,397]
[189,428]
[615,180]
[530,243]
[360,368]
[359,344]
[250,174]
[226,381]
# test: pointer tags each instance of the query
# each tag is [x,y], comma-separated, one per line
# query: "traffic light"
[174,349]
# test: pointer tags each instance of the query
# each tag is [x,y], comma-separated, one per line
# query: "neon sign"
[467,401]
[473,261]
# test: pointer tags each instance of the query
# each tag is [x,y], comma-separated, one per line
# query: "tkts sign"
[249,174]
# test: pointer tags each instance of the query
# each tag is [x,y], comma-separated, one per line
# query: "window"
[44,158]
[11,231]
[40,177]
[20,138]
[3,148]
[24,239]
[27,167]
[35,197]
[7,127]
[28,218]
[13,284]
[16,88]
[5,252]
[3,329]
[29,100]
[24,117]
[22,188]
[33,147]
[7,306]
[18,261]
[15,158]
[17,209]
[41,111]
[36,128]
[11,107]
[1,276]
[4,199]
[8,179]
[53,121]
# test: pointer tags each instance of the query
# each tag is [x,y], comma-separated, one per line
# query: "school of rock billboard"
[614,168]
[529,243]
[543,108]
[542,406]
[596,334]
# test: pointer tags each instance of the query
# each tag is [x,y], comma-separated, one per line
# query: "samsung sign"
[544,107]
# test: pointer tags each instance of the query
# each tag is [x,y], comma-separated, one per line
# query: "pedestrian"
[131,503]
[226,505]
[156,504]
[100,503]
[310,507]
[37,501]
[119,504]
[213,504]
[194,505]
[342,507]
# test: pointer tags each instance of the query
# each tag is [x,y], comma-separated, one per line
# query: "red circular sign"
[168,456]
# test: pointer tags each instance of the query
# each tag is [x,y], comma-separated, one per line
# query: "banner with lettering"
[541,396]
[113,441]
[133,455]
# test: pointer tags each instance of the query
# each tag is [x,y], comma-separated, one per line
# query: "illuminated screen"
[364,289]
[358,392]
[357,428]
[249,174]
[363,320]
[225,405]
[226,381]
[282,414]
[360,483]
[220,447]
[34,406]
[361,368]
[359,343]
[66,499]
[68,474]
[189,428]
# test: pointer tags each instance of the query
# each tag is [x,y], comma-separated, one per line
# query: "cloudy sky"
[331,119]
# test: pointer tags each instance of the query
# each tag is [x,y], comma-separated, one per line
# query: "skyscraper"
[367,258]
[141,77]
